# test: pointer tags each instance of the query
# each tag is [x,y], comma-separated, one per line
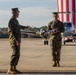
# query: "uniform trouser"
[56,49]
[15,55]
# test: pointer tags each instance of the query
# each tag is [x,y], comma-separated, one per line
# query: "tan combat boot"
[16,70]
[58,64]
[55,64]
[11,70]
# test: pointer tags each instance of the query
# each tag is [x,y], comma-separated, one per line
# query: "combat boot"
[58,64]
[16,70]
[55,64]
[11,70]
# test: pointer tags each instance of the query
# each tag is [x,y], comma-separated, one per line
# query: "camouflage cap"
[15,9]
[55,13]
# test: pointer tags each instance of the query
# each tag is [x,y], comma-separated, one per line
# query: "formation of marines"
[15,39]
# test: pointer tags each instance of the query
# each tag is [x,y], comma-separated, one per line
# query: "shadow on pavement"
[50,72]
[70,45]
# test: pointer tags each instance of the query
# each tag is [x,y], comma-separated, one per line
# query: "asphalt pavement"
[36,58]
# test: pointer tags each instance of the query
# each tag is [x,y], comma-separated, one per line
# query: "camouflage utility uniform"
[56,40]
[14,36]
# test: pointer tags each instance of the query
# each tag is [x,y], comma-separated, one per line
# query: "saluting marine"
[15,40]
[55,38]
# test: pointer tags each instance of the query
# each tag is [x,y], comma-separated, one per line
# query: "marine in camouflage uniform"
[15,40]
[55,38]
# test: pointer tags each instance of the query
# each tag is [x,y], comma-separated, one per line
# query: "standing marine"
[15,40]
[56,38]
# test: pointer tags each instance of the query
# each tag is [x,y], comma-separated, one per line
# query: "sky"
[35,13]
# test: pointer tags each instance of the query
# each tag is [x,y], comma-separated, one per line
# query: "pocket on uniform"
[13,43]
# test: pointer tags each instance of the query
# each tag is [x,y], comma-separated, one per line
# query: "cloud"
[4,17]
[34,11]
[27,0]
[4,0]
[4,12]
[12,0]
[7,0]
[33,16]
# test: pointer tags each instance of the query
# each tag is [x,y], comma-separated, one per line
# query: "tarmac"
[36,58]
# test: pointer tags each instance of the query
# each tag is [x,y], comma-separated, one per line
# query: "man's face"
[55,17]
[15,14]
